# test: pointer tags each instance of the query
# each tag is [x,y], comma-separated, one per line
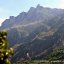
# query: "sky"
[14,7]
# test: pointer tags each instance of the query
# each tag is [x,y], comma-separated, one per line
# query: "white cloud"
[3,14]
[61,4]
[1,20]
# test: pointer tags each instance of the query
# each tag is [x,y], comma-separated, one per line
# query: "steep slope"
[36,32]
[41,46]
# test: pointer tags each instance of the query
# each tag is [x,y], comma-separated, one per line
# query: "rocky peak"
[12,17]
[39,7]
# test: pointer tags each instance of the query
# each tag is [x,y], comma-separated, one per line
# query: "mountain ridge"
[37,32]
[25,16]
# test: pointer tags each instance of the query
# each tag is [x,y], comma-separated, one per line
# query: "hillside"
[37,32]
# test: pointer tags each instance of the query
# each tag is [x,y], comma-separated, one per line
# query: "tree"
[5,53]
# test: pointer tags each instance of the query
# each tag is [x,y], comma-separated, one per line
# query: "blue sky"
[14,7]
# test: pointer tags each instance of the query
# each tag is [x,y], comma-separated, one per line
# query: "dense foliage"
[4,51]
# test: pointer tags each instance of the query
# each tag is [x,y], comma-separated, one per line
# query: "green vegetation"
[4,51]
[58,54]
[39,62]
[56,57]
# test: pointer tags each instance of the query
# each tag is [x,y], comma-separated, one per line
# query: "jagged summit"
[39,13]
[37,31]
[39,6]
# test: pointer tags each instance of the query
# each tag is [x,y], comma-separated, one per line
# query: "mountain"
[37,32]
[34,15]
